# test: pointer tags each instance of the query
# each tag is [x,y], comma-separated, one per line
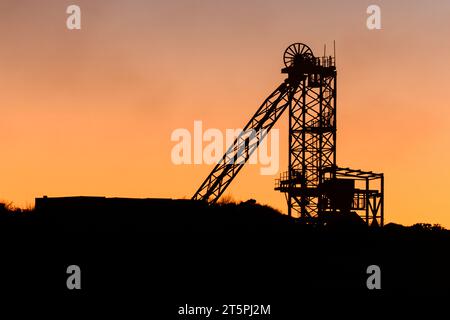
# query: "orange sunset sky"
[91,111]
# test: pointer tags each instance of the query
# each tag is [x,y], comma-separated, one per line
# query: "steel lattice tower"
[316,188]
[312,128]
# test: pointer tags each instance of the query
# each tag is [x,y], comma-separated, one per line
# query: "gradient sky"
[90,112]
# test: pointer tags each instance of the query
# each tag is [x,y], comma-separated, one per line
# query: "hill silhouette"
[101,214]
[244,248]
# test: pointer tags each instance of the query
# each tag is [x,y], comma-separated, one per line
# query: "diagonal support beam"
[245,144]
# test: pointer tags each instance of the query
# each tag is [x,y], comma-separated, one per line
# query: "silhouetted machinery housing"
[315,187]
